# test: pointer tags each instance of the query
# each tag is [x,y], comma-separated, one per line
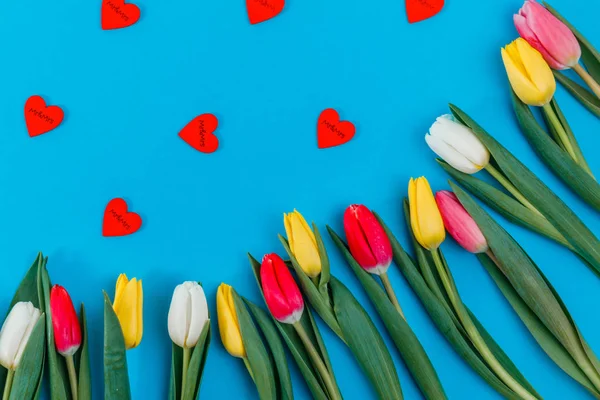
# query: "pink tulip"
[548,35]
[459,224]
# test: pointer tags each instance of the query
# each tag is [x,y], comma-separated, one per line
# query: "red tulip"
[459,224]
[367,240]
[67,331]
[282,294]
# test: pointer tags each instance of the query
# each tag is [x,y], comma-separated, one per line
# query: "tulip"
[545,33]
[457,145]
[425,218]
[229,327]
[367,240]
[282,294]
[303,244]
[128,306]
[15,333]
[461,226]
[529,75]
[188,314]
[67,330]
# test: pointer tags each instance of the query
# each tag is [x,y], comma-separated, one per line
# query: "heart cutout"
[262,10]
[118,221]
[39,118]
[331,131]
[116,14]
[419,10]
[198,133]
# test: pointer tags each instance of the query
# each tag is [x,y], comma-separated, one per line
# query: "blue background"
[127,93]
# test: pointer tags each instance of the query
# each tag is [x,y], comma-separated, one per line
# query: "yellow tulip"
[530,76]
[425,217]
[302,243]
[128,306]
[229,327]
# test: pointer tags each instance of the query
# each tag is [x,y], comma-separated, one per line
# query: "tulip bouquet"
[546,42]
[527,289]
[336,305]
[241,337]
[189,329]
[369,253]
[466,148]
[123,328]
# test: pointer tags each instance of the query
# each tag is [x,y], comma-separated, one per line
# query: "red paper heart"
[118,221]
[116,14]
[262,10]
[198,133]
[331,131]
[39,118]
[418,10]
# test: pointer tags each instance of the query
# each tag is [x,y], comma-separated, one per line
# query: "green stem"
[511,188]
[474,334]
[72,376]
[187,352]
[8,384]
[587,78]
[319,364]
[390,292]
[560,131]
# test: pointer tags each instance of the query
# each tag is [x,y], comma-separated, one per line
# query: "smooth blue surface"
[127,93]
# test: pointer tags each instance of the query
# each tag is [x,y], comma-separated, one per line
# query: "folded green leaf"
[196,365]
[536,192]
[264,321]
[442,318]
[572,173]
[85,377]
[259,362]
[404,338]
[542,335]
[532,287]
[116,376]
[29,373]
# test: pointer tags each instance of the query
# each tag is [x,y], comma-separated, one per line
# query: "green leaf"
[366,343]
[259,362]
[59,381]
[405,340]
[295,346]
[541,334]
[196,366]
[526,279]
[175,379]
[584,96]
[320,303]
[442,318]
[571,173]
[267,327]
[29,373]
[116,377]
[325,267]
[85,377]
[542,198]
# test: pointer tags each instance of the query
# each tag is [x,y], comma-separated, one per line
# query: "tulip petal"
[426,219]
[450,155]
[526,33]
[140,313]
[303,243]
[459,223]
[15,333]
[122,282]
[228,323]
[378,242]
[357,240]
[177,319]
[537,69]
[282,294]
[198,314]
[461,139]
[128,311]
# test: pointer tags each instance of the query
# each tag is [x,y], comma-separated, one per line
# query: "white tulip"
[457,145]
[188,314]
[15,333]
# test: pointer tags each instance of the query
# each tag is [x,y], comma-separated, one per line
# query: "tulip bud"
[367,240]
[15,333]
[128,306]
[67,331]
[425,218]
[229,326]
[548,35]
[303,244]
[461,226]
[457,145]
[188,314]
[282,294]
[529,75]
